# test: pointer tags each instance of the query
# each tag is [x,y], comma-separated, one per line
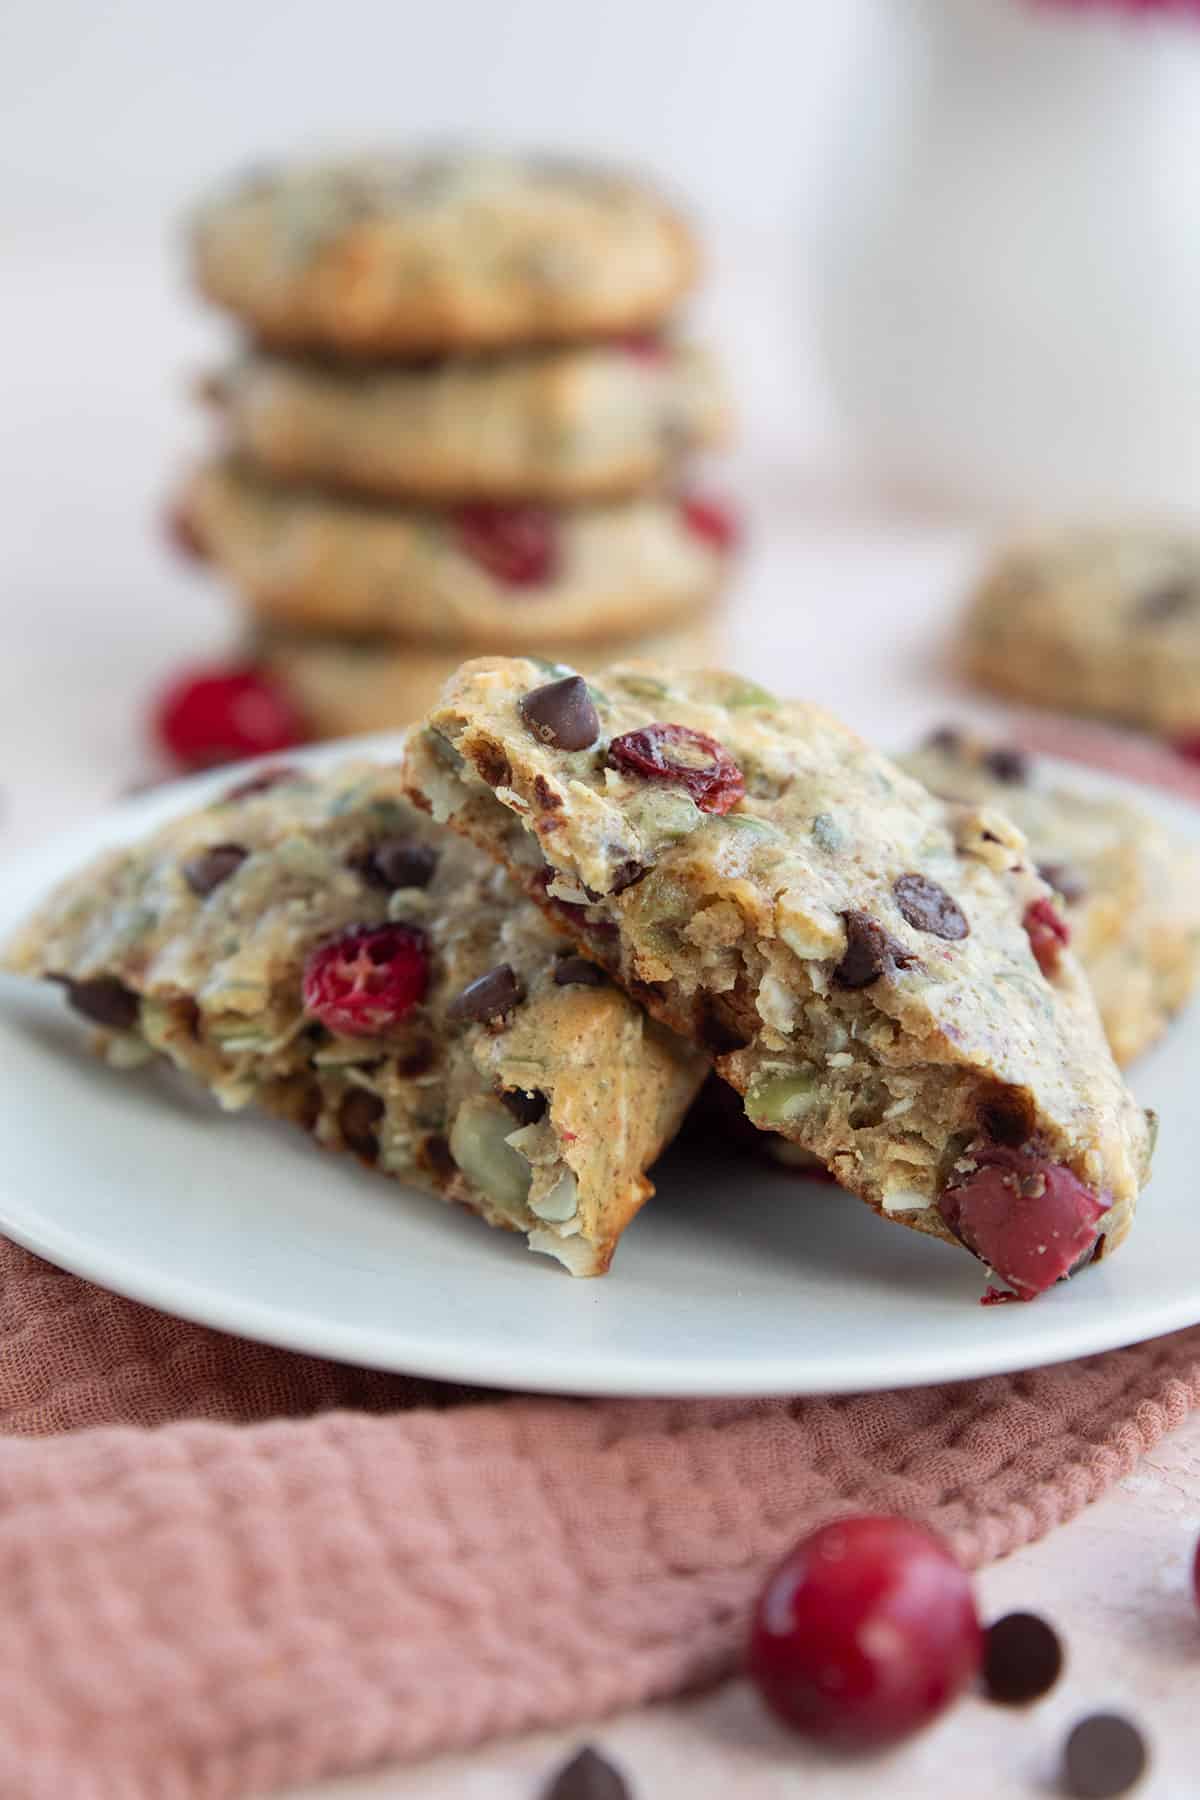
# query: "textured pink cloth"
[301,1569]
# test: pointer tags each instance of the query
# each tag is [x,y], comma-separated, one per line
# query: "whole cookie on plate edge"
[577,422]
[399,254]
[1103,620]
[311,945]
[515,577]
[884,977]
[345,685]
[1129,890]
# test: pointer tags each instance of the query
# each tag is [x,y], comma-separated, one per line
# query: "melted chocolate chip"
[869,952]
[418,1059]
[1007,765]
[588,1776]
[1171,599]
[545,795]
[946,738]
[308,1106]
[358,1115]
[491,764]
[562,714]
[1065,880]
[435,1155]
[577,971]
[526,1108]
[211,867]
[490,996]
[1022,1659]
[1105,1755]
[105,1001]
[928,907]
[625,875]
[1007,1119]
[398,862]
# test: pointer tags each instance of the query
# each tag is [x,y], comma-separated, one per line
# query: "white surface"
[735,1280]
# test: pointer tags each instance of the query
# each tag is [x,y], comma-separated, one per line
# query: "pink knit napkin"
[226,1569]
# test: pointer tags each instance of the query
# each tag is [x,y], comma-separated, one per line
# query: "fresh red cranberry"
[865,1632]
[688,759]
[1048,933]
[220,714]
[516,544]
[711,520]
[1028,1218]
[363,982]
[647,346]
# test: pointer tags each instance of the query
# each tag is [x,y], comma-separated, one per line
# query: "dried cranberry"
[711,520]
[221,714]
[516,544]
[1188,746]
[865,1632]
[647,346]
[1048,934]
[1028,1218]
[688,759]
[365,981]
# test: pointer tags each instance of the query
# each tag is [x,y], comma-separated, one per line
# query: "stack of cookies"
[457,426]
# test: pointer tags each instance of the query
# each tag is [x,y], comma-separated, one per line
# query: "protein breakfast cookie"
[1129,891]
[344,685]
[512,577]
[883,976]
[311,945]
[1103,621]
[587,421]
[396,255]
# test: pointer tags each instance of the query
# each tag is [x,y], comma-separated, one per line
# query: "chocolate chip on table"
[588,1776]
[1007,765]
[526,1108]
[1169,600]
[869,952]
[562,714]
[488,997]
[1066,881]
[358,1115]
[577,971]
[397,862]
[1105,1756]
[928,907]
[211,867]
[105,1001]
[1022,1659]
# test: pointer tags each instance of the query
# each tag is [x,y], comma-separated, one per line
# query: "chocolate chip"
[1022,1659]
[946,738]
[1007,1119]
[434,1153]
[588,1776]
[1104,1757]
[418,1059]
[561,714]
[869,953]
[263,782]
[526,1108]
[625,875]
[1065,880]
[307,1106]
[207,871]
[491,764]
[105,1001]
[928,907]
[1169,600]
[490,996]
[1007,765]
[358,1116]
[399,862]
[577,971]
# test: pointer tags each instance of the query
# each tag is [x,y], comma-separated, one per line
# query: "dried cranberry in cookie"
[1049,934]
[688,759]
[711,520]
[365,981]
[516,544]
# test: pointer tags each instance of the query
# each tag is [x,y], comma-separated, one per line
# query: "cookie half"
[396,255]
[1103,621]
[312,946]
[578,423]
[347,685]
[506,577]
[1128,890]
[883,977]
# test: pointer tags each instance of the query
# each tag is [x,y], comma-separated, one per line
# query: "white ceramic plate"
[736,1279]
